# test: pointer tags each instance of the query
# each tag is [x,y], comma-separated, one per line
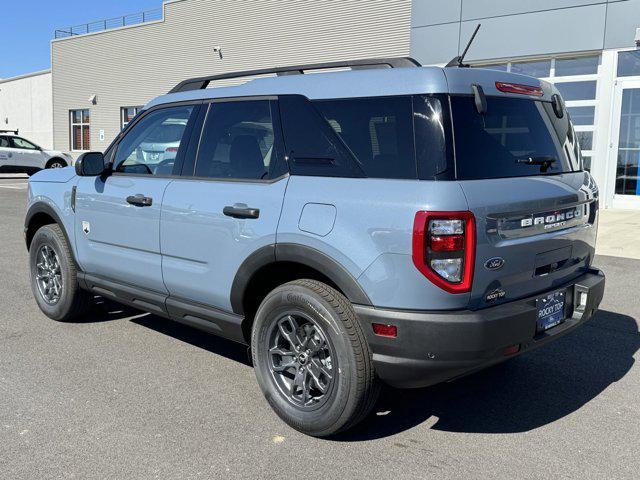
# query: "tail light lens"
[171,150]
[444,246]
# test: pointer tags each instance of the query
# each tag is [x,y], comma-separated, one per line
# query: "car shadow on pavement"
[197,338]
[108,311]
[519,395]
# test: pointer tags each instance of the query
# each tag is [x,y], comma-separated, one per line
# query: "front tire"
[54,276]
[312,360]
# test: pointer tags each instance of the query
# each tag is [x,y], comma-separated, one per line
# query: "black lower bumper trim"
[432,347]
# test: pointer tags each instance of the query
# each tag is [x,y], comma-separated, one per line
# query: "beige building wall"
[129,66]
[25,104]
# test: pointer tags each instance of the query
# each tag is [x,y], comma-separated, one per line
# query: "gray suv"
[406,225]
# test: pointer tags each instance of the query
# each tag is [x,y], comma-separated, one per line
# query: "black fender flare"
[41,207]
[302,254]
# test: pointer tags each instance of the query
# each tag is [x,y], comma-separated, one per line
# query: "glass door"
[625,146]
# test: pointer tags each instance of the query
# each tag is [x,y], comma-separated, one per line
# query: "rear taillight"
[444,246]
[519,89]
[171,150]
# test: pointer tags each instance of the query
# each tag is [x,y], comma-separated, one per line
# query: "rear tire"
[54,276]
[332,362]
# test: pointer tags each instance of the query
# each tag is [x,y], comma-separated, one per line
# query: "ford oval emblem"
[494,263]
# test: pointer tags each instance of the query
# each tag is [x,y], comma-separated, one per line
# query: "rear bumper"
[432,347]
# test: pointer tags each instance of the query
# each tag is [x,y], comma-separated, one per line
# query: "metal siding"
[435,44]
[568,30]
[476,9]
[434,12]
[622,20]
[130,66]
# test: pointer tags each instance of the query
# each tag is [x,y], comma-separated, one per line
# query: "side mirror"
[90,164]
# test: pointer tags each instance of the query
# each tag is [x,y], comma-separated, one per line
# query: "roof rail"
[199,83]
[10,131]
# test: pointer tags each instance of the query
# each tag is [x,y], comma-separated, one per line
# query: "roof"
[25,75]
[364,83]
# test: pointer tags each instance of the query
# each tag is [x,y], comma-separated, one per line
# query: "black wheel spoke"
[300,359]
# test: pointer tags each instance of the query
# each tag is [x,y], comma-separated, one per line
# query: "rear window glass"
[514,138]
[377,131]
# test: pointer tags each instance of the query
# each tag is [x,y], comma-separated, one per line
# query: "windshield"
[513,138]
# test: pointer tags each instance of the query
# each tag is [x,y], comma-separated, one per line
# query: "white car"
[19,155]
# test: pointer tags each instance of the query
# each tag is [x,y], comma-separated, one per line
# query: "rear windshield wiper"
[544,161]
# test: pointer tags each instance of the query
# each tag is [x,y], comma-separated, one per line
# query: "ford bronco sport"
[406,225]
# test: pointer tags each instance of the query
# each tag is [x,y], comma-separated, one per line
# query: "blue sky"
[27,27]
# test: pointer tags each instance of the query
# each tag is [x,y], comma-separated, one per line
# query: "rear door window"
[239,141]
[511,139]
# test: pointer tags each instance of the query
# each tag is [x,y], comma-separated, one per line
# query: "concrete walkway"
[619,233]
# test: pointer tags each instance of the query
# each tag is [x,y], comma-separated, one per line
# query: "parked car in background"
[19,155]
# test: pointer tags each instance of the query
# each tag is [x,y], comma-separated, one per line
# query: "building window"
[629,63]
[538,68]
[566,67]
[80,130]
[127,114]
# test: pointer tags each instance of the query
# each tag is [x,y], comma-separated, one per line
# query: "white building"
[26,105]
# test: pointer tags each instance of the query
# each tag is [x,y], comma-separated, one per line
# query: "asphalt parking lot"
[131,395]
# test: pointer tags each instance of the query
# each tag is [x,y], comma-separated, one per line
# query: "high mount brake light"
[519,89]
[444,248]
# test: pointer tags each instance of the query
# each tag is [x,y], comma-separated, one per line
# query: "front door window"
[629,144]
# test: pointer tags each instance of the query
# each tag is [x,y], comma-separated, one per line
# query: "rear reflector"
[448,243]
[511,350]
[519,89]
[444,247]
[383,330]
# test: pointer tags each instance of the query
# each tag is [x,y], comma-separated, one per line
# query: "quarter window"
[4,142]
[80,129]
[152,145]
[238,141]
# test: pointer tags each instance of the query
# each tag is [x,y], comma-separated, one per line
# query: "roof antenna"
[457,61]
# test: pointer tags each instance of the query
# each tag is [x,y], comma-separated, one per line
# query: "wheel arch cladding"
[274,265]
[39,215]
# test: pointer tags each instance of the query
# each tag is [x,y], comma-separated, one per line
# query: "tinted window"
[152,145]
[312,144]
[238,141]
[4,142]
[434,151]
[498,143]
[377,131]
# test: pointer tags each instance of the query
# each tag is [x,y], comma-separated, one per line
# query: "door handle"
[140,200]
[241,212]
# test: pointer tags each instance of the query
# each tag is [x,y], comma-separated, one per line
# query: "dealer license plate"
[551,310]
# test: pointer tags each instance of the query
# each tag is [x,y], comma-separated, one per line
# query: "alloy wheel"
[48,275]
[301,360]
